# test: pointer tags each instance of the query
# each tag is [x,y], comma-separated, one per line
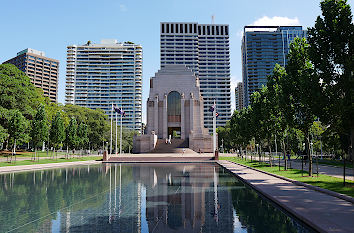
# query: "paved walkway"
[23,168]
[322,169]
[323,212]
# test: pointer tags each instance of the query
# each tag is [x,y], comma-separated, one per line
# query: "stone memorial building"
[174,113]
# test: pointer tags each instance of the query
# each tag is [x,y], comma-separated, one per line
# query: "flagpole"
[111,130]
[121,135]
[116,133]
[214,128]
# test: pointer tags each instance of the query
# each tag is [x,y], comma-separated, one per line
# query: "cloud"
[123,8]
[240,34]
[276,21]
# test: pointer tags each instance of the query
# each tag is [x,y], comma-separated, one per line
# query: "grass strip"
[46,161]
[323,181]
[20,154]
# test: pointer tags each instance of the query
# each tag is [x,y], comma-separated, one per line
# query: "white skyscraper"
[98,75]
[205,49]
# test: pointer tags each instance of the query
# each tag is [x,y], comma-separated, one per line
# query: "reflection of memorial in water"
[184,198]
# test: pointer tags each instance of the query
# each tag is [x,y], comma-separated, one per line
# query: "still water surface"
[136,198]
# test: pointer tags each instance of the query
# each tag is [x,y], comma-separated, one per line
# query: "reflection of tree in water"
[38,196]
[259,215]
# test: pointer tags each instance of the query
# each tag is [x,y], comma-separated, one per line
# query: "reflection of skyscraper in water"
[118,210]
[184,199]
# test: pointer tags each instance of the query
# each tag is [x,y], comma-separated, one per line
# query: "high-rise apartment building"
[204,48]
[43,71]
[101,74]
[262,48]
[239,96]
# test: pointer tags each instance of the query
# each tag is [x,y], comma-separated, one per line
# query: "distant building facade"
[262,48]
[239,96]
[101,74]
[174,111]
[204,48]
[43,71]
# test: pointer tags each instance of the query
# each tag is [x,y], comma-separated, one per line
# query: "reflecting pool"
[201,197]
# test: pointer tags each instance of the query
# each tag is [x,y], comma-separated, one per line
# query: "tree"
[332,54]
[3,134]
[57,131]
[96,121]
[16,93]
[71,139]
[82,136]
[279,126]
[300,88]
[39,128]
[17,129]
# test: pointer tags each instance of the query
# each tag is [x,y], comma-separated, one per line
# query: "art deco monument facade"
[174,110]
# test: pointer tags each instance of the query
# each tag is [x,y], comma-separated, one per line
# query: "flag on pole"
[216,114]
[118,110]
[212,108]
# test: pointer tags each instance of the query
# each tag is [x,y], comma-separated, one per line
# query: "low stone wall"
[144,143]
[201,143]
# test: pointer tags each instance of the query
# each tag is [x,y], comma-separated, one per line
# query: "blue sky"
[50,26]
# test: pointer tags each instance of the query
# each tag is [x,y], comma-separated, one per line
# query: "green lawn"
[322,181]
[29,154]
[44,161]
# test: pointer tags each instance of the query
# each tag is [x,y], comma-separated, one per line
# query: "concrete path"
[23,168]
[323,212]
[322,169]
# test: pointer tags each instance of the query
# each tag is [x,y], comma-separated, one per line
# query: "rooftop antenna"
[212,19]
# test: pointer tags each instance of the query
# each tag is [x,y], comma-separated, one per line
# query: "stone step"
[176,146]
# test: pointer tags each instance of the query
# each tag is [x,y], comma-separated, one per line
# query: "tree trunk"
[270,155]
[284,154]
[308,151]
[351,144]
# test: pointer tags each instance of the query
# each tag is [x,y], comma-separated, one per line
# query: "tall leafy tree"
[71,139]
[16,93]
[57,131]
[279,126]
[299,90]
[3,134]
[96,121]
[39,128]
[332,54]
[17,129]
[82,136]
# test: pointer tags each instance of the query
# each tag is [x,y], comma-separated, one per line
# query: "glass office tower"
[262,48]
